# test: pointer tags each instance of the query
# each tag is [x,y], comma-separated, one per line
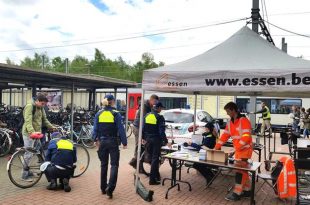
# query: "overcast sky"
[77,27]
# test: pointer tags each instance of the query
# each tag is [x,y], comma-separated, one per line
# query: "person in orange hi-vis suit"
[287,179]
[239,129]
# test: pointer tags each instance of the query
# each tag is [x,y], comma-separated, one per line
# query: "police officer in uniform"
[62,154]
[154,136]
[108,131]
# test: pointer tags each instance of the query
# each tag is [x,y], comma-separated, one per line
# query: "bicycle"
[17,164]
[81,134]
[5,142]
[129,130]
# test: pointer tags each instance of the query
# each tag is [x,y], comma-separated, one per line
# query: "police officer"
[62,154]
[154,136]
[108,131]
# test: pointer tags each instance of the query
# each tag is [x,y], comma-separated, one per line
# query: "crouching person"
[61,154]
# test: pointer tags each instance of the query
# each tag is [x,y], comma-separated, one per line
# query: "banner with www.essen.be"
[228,81]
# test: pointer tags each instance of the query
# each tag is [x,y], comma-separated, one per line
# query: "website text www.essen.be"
[294,80]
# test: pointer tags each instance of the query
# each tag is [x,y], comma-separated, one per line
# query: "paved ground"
[85,189]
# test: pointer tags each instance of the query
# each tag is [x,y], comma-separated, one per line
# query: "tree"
[9,61]
[79,65]
[58,64]
[36,62]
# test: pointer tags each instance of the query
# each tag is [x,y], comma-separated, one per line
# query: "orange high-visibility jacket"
[287,179]
[240,132]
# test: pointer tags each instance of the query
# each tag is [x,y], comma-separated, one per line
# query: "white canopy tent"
[243,65]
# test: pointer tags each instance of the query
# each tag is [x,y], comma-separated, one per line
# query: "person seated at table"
[208,142]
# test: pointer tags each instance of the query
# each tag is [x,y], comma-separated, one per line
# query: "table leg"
[253,188]
[173,177]
[259,158]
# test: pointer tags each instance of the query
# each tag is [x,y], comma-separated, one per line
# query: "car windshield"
[204,116]
[179,117]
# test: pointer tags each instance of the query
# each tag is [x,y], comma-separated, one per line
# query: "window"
[178,117]
[173,102]
[131,102]
[204,116]
[276,106]
[139,100]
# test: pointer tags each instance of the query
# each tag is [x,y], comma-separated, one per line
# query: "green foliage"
[100,65]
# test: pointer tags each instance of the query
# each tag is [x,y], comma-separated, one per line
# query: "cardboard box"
[218,155]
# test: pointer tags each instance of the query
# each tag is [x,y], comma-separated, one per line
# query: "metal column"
[126,114]
[34,90]
[94,99]
[89,99]
[0,95]
[10,102]
[72,110]
[255,24]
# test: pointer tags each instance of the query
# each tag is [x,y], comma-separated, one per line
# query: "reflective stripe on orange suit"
[287,179]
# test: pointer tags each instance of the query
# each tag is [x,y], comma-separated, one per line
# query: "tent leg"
[140,138]
[195,113]
[253,116]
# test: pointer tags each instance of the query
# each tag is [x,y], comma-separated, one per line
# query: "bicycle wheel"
[17,164]
[86,137]
[5,143]
[82,160]
[129,130]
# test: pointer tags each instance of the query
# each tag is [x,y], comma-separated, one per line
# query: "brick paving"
[85,189]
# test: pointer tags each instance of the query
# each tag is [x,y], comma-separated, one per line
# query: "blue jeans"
[29,143]
[109,147]
[306,133]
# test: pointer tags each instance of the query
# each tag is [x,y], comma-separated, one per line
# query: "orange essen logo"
[166,81]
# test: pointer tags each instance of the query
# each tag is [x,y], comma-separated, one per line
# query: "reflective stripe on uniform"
[151,119]
[292,185]
[220,142]
[235,137]
[291,173]
[242,142]
[246,146]
[106,116]
[209,135]
[226,132]
[64,144]
[246,130]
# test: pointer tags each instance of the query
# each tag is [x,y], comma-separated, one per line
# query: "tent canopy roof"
[245,50]
[245,64]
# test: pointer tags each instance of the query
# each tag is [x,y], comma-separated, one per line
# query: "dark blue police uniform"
[62,155]
[154,134]
[109,129]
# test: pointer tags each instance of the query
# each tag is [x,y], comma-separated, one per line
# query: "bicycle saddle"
[36,136]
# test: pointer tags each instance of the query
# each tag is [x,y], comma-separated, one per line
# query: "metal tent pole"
[72,110]
[195,112]
[139,140]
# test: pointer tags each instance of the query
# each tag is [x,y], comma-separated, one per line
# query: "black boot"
[109,193]
[67,188]
[61,184]
[133,163]
[52,185]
